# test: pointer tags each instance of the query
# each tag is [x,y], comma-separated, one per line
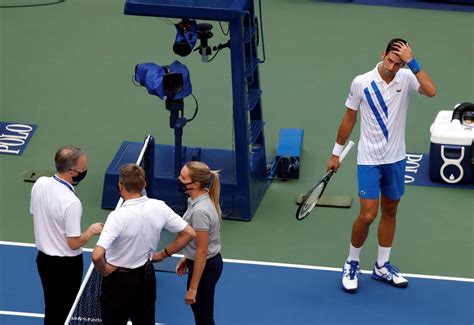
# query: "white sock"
[383,255]
[354,253]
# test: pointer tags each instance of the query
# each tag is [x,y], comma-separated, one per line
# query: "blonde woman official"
[202,256]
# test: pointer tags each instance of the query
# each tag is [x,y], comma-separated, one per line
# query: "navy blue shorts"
[388,179]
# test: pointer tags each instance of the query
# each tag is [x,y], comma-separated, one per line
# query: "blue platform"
[164,185]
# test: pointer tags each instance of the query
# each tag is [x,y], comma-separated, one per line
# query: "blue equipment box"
[451,151]
[288,156]
[290,143]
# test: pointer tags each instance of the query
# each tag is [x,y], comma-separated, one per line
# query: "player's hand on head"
[403,51]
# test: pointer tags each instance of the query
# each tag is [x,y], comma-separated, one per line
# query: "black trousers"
[203,309]
[129,293]
[61,279]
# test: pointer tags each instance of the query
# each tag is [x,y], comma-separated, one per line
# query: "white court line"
[17,313]
[295,266]
[323,268]
[13,243]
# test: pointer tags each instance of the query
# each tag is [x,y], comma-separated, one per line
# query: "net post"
[149,166]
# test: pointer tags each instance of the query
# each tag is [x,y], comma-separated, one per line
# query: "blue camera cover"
[150,76]
[186,37]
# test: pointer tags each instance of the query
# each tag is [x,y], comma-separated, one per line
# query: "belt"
[126,270]
[41,253]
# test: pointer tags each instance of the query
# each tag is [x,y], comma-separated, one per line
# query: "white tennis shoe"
[350,272]
[389,273]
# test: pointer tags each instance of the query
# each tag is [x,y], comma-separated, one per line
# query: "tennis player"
[129,239]
[381,96]
[202,256]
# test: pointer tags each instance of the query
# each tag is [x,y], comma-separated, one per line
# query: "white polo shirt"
[383,108]
[133,231]
[56,214]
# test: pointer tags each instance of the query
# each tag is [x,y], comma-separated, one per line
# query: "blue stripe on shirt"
[379,98]
[376,112]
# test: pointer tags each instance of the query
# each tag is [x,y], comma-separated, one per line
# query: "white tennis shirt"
[383,108]
[133,231]
[56,214]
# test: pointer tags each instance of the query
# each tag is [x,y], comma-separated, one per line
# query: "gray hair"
[66,158]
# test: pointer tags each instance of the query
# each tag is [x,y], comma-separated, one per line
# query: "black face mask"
[79,177]
[119,192]
[183,187]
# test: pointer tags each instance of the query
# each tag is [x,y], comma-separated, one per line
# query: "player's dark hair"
[132,177]
[66,158]
[390,46]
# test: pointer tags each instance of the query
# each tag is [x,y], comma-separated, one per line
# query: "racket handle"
[346,150]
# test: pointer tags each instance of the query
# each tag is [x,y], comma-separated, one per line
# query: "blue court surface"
[264,293]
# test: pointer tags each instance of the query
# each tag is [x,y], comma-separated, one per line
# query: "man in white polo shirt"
[57,215]
[127,244]
[381,96]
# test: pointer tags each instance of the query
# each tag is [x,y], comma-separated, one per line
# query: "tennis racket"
[309,201]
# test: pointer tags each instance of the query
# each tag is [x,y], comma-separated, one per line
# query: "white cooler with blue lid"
[452,149]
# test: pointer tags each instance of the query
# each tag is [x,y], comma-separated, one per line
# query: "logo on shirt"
[399,90]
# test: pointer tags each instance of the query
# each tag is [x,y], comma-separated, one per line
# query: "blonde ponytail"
[215,191]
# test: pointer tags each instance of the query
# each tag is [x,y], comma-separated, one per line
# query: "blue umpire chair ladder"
[243,171]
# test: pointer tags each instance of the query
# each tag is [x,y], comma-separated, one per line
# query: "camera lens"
[173,83]
[182,48]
